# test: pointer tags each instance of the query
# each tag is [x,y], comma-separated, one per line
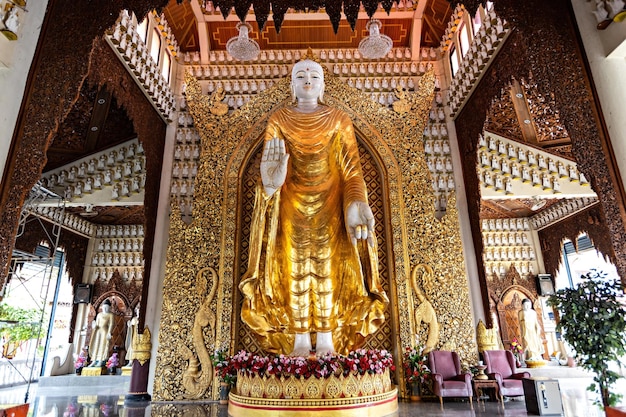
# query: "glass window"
[167,65]
[454,61]
[155,46]
[580,259]
[464,39]
[142,29]
[477,21]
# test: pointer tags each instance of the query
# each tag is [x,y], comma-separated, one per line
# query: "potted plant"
[113,363]
[416,371]
[225,372]
[592,322]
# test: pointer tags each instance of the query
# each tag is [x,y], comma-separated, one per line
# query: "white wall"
[15,60]
[606,52]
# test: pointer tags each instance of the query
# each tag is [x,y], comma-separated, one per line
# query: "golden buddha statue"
[101,335]
[313,264]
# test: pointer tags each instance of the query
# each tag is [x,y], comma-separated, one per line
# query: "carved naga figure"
[199,373]
[425,313]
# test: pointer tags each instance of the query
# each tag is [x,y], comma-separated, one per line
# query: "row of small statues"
[10,19]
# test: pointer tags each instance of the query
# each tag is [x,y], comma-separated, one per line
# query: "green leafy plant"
[18,324]
[592,322]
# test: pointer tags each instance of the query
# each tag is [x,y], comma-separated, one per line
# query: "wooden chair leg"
[441,402]
[471,403]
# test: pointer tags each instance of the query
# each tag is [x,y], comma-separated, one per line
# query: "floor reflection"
[109,401]
[114,406]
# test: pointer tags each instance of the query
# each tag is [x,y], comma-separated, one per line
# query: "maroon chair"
[448,379]
[501,367]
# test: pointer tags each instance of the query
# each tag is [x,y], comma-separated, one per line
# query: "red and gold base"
[378,405]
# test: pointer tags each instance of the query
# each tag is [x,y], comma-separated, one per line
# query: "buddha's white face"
[308,84]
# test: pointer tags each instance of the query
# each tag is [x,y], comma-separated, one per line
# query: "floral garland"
[360,361]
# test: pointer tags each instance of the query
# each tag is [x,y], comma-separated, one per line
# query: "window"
[155,46]
[477,21]
[167,65]
[464,39]
[142,29]
[454,61]
[576,263]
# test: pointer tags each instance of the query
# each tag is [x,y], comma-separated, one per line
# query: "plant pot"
[224,392]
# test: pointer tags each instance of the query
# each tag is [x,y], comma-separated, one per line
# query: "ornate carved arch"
[507,305]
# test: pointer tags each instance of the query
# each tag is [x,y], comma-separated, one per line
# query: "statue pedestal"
[373,406]
[353,395]
[94,371]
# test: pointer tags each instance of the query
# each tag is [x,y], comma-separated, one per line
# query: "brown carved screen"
[383,338]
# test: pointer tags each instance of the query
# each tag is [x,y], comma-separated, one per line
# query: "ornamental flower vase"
[416,391]
[224,392]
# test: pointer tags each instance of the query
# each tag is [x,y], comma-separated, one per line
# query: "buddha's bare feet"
[302,345]
[324,344]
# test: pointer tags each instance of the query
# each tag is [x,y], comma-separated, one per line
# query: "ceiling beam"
[524,118]
[416,29]
[203,32]
[99,114]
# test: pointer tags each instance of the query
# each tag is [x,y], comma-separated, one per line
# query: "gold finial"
[311,56]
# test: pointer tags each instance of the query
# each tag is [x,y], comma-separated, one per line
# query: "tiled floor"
[50,401]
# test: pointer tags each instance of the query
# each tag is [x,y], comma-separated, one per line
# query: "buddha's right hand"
[274,165]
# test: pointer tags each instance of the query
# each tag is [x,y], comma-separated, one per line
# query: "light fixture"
[375,45]
[241,47]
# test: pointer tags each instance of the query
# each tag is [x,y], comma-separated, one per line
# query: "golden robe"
[304,274]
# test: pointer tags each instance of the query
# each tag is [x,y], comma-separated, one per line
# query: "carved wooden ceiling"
[524,115]
[300,30]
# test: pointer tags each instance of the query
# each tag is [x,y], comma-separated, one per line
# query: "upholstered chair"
[501,367]
[448,379]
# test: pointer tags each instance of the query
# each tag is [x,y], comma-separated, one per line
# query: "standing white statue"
[102,328]
[531,331]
